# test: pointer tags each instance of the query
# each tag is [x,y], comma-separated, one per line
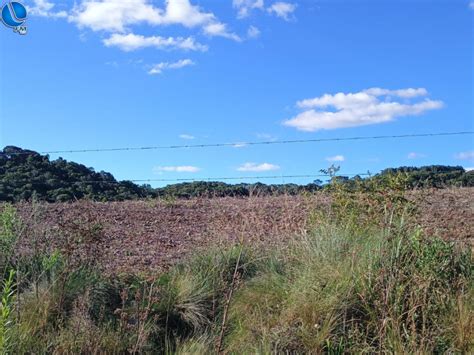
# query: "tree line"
[27,175]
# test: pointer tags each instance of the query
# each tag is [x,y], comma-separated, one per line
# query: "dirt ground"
[151,235]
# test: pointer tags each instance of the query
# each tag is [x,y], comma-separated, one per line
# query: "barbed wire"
[253,143]
[206,179]
[219,178]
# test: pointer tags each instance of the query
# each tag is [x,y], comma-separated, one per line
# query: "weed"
[6,310]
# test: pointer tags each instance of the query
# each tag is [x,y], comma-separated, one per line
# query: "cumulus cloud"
[131,42]
[219,29]
[258,167]
[465,155]
[365,97]
[176,169]
[336,158]
[117,16]
[186,136]
[403,93]
[114,15]
[414,155]
[45,8]
[160,67]
[184,13]
[469,168]
[366,107]
[244,7]
[253,32]
[282,9]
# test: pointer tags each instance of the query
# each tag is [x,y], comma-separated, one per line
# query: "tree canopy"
[26,175]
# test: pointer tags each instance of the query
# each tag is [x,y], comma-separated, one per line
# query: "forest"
[27,175]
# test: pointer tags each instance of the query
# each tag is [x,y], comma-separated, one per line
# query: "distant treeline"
[26,175]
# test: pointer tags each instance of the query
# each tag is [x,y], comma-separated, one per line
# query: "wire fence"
[254,143]
[40,180]
[235,144]
[207,179]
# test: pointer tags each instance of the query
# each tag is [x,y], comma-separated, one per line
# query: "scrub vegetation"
[363,276]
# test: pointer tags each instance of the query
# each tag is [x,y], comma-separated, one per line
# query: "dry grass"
[153,235]
[309,276]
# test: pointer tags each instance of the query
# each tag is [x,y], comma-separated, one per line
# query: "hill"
[26,175]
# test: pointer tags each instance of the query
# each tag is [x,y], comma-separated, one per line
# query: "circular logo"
[13,14]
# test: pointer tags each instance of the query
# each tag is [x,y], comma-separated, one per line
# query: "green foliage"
[211,189]
[361,204]
[27,175]
[9,228]
[437,176]
[6,309]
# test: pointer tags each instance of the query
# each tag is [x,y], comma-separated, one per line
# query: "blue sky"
[131,73]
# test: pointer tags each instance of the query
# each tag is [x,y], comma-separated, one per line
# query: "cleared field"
[136,236]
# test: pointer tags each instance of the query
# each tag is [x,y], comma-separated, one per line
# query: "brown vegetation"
[152,235]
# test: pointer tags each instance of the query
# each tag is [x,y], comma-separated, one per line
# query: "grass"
[349,293]
[350,284]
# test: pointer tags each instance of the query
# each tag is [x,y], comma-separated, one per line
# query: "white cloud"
[404,93]
[253,32]
[239,145]
[186,136]
[44,8]
[282,9]
[184,13]
[114,15]
[117,16]
[366,107]
[469,168]
[465,155]
[365,97]
[219,29]
[258,167]
[336,158]
[471,5]
[131,42]
[176,169]
[244,7]
[414,155]
[158,69]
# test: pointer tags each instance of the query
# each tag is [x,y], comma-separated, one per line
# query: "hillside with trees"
[27,175]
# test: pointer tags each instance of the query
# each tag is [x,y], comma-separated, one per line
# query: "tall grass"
[363,278]
[6,309]
[336,292]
